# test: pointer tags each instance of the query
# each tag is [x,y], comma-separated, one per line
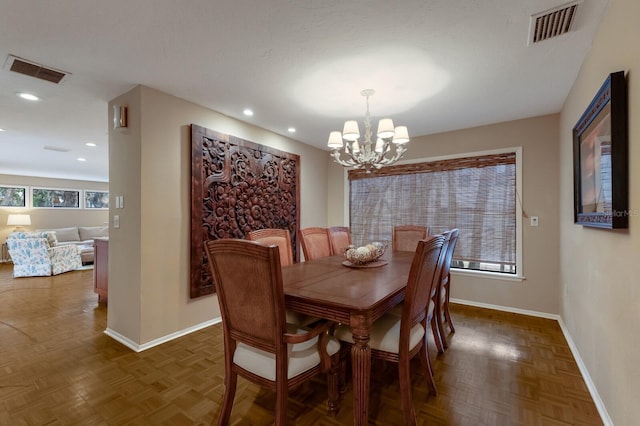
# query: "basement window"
[49,198]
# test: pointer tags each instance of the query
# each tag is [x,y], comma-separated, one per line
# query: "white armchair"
[36,254]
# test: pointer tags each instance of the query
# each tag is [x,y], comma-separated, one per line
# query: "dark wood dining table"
[326,288]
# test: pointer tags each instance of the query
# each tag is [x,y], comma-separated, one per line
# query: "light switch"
[534,220]
[116,221]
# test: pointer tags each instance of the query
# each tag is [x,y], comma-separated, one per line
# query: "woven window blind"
[475,194]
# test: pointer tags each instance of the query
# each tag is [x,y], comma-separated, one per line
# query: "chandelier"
[389,146]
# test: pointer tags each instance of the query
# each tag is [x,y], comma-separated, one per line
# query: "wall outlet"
[116,221]
[534,220]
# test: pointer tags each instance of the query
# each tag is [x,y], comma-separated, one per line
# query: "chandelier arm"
[400,150]
[338,159]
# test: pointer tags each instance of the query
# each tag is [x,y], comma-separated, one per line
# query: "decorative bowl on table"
[365,254]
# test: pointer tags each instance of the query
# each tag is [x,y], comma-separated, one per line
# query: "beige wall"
[125,163]
[600,269]
[149,254]
[538,138]
[52,218]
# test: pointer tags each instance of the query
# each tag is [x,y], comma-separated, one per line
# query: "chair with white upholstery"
[340,239]
[282,239]
[442,313]
[36,254]
[406,237]
[315,243]
[279,237]
[432,307]
[400,338]
[259,345]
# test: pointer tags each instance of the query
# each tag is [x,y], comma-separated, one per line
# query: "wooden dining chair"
[258,343]
[279,237]
[442,314]
[400,338]
[340,238]
[406,237]
[282,239]
[432,317]
[315,243]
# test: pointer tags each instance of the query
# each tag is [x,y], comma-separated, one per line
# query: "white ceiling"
[436,65]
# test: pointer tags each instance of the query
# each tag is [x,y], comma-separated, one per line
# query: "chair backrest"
[340,238]
[438,278]
[315,243]
[274,236]
[406,237]
[423,276]
[446,266]
[248,279]
[50,236]
[29,250]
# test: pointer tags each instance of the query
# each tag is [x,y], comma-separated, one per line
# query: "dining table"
[357,295]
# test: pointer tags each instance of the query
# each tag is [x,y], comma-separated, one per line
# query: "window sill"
[486,274]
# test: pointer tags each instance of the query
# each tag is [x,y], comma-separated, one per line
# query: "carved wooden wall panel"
[238,186]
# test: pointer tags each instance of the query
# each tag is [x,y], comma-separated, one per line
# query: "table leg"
[361,368]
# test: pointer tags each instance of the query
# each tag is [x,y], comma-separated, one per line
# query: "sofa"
[36,254]
[80,236]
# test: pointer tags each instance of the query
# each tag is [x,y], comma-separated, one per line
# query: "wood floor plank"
[57,367]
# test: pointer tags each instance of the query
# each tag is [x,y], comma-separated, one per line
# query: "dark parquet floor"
[57,367]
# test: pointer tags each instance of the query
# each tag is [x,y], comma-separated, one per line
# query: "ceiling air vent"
[33,69]
[553,22]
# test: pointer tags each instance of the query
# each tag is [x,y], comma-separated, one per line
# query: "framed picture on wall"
[600,164]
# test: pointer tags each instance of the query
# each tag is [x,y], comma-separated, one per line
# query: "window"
[96,200]
[55,198]
[13,196]
[476,194]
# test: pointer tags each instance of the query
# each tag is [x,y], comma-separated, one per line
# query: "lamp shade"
[385,128]
[350,131]
[402,135]
[335,140]
[19,220]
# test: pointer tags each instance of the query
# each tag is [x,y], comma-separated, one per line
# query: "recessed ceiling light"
[28,96]
[291,129]
[90,144]
[248,112]
[1,129]
[56,148]
[81,159]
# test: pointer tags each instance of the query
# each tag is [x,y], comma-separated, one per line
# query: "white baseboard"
[139,348]
[604,415]
[506,309]
[602,410]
